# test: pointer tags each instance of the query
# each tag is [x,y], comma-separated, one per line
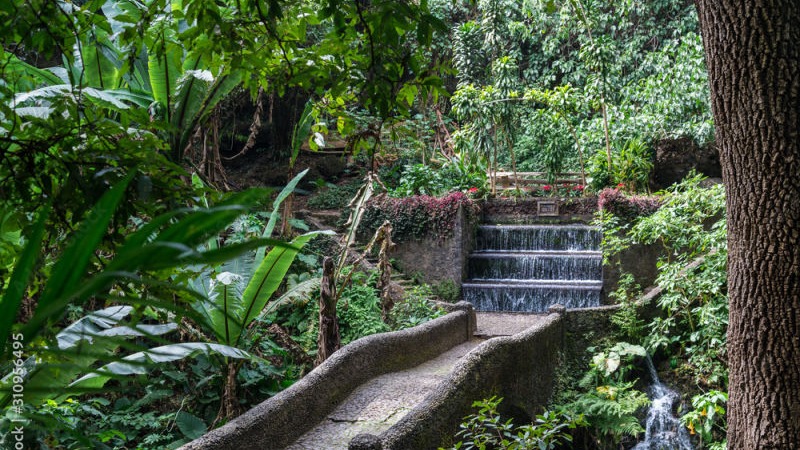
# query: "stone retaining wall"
[280,420]
[519,368]
[527,210]
[434,260]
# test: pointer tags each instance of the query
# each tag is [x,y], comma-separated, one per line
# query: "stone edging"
[280,420]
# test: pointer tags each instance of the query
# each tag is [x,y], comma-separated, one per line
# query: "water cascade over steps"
[663,431]
[528,268]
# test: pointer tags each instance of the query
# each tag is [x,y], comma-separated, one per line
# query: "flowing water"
[663,431]
[531,267]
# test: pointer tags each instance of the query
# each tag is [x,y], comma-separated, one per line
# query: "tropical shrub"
[707,418]
[417,216]
[626,207]
[608,400]
[453,176]
[486,429]
[630,170]
[359,312]
[416,308]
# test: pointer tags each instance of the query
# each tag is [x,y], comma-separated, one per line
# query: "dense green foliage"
[486,429]
[549,84]
[118,253]
[690,332]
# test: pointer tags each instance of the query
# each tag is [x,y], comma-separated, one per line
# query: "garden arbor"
[754,72]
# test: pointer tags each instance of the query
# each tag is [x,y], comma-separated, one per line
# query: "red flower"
[472,190]
[578,187]
[547,187]
[621,185]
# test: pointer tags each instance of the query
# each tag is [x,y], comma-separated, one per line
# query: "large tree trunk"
[753,54]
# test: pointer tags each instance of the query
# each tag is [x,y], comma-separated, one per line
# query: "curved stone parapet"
[519,368]
[280,420]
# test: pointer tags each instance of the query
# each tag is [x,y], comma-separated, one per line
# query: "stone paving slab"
[492,324]
[381,402]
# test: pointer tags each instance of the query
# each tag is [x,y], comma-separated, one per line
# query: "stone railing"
[519,368]
[280,420]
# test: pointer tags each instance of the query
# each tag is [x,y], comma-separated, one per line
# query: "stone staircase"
[528,268]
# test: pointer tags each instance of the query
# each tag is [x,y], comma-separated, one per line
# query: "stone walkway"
[382,401]
[494,324]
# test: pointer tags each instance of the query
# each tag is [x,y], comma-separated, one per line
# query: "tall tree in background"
[754,71]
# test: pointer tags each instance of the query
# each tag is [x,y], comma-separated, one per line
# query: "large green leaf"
[276,205]
[267,278]
[140,363]
[12,297]
[190,91]
[22,76]
[91,338]
[191,426]
[122,14]
[165,66]
[202,98]
[302,130]
[223,305]
[43,93]
[102,324]
[299,293]
[72,265]
[97,60]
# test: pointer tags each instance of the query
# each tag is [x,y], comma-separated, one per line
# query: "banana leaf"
[140,363]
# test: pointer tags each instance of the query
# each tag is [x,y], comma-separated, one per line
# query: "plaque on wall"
[547,208]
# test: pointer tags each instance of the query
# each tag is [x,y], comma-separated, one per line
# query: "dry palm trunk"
[229,404]
[329,340]
[384,237]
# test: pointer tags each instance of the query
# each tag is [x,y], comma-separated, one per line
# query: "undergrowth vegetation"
[689,333]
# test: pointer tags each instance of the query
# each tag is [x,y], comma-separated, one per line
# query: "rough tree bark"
[753,55]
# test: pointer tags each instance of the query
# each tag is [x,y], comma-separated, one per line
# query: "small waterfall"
[536,266]
[663,431]
[528,268]
[538,237]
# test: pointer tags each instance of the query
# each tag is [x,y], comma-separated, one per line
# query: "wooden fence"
[530,181]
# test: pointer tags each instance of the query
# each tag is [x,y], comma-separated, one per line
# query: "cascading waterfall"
[663,431]
[531,267]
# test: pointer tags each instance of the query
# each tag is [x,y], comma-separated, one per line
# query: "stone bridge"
[410,389]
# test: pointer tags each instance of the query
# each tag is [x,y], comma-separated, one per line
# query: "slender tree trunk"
[753,54]
[608,139]
[510,143]
[580,150]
